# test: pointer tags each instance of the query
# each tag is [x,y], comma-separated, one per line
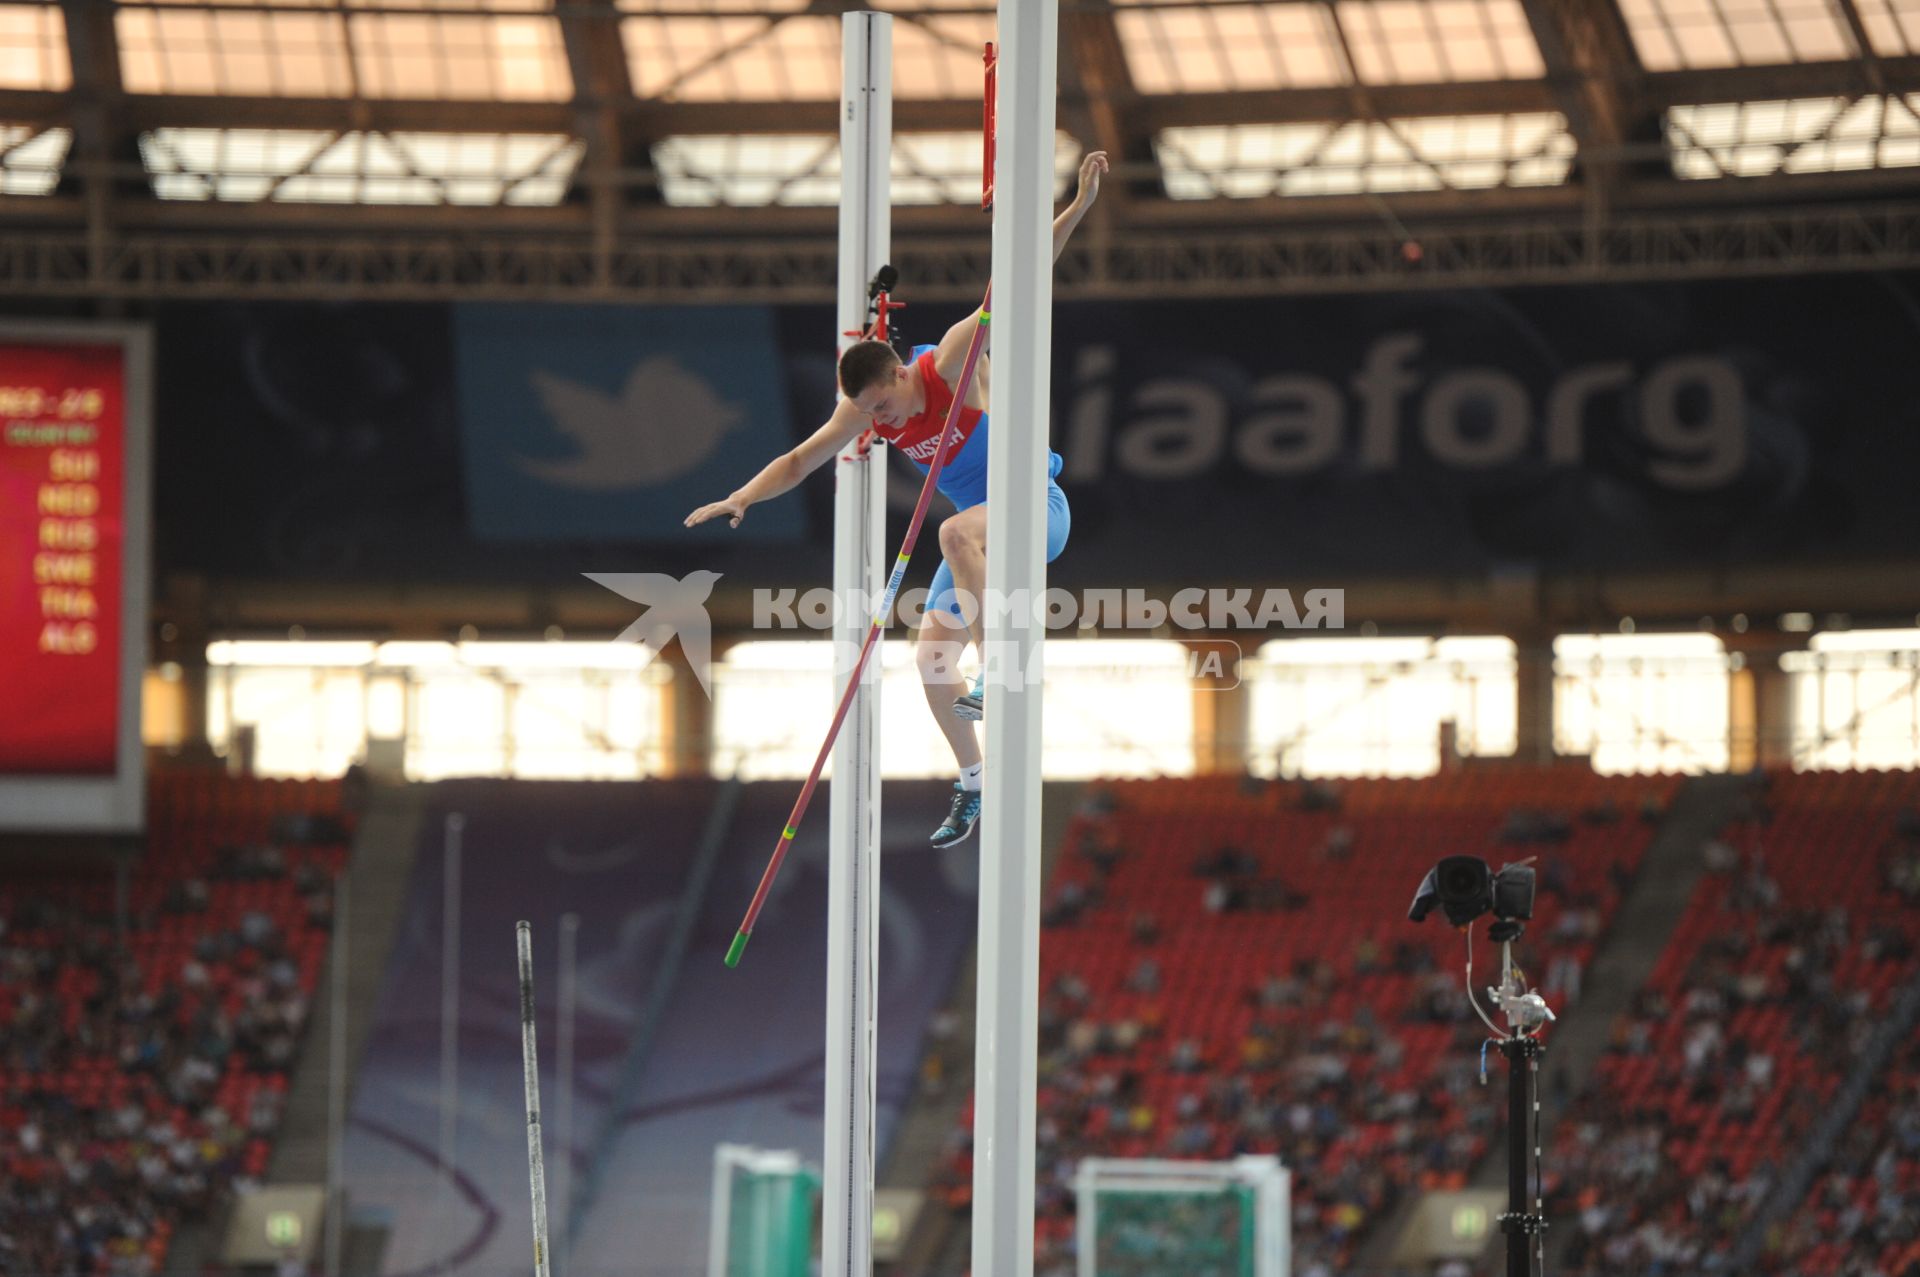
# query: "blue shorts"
[1059,523]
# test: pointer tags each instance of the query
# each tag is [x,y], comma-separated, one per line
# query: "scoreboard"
[74,558]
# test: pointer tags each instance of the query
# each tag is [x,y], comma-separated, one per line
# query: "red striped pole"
[986,131]
[974,346]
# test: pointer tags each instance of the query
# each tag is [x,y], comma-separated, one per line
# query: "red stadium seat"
[193,817]
[1212,966]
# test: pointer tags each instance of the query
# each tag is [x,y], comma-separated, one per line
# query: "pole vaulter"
[1008,540]
[900,401]
[785,842]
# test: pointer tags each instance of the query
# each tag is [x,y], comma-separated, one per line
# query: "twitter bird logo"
[673,607]
[666,421]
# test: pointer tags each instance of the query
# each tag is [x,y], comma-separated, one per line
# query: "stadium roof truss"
[688,148]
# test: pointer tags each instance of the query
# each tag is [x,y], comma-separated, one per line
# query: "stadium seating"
[139,1080]
[1863,1214]
[1289,1006]
[1788,952]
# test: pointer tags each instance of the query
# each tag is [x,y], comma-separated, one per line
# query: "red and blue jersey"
[963,480]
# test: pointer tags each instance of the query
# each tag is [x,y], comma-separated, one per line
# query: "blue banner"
[1572,430]
[605,423]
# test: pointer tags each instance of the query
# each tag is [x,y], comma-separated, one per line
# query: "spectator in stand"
[1225,862]
[1637,1212]
[1068,904]
[1145,977]
[1338,846]
[97,1179]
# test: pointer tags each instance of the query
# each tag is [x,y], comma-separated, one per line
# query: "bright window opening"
[1207,48]
[770,51]
[1856,699]
[1642,702]
[1439,41]
[1674,35]
[294,48]
[588,710]
[1893,26]
[1805,135]
[803,169]
[33,48]
[30,158]
[1376,707]
[774,699]
[251,165]
[1424,154]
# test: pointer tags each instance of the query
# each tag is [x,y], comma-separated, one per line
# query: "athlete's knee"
[956,537]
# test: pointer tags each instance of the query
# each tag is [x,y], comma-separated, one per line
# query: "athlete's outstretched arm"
[789,468]
[1092,166]
[953,347]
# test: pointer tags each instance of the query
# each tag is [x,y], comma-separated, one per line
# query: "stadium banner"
[1565,429]
[610,423]
[1619,426]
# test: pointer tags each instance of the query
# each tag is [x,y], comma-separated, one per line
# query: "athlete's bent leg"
[943,639]
[973,704]
[963,540]
[942,643]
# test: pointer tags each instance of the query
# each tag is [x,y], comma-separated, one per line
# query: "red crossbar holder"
[986,166]
[883,305]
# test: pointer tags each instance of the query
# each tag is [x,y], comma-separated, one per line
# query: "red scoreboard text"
[62,545]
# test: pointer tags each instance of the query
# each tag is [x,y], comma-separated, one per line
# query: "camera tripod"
[1526,1013]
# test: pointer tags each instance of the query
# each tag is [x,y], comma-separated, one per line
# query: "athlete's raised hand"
[734,509]
[1092,166]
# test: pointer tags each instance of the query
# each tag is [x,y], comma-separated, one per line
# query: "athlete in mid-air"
[906,405]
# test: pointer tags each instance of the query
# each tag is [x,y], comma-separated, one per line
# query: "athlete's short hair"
[864,365]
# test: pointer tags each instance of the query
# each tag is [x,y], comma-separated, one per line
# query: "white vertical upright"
[450,1011]
[530,1074]
[1022,345]
[567,1009]
[339,961]
[720,1209]
[859,524]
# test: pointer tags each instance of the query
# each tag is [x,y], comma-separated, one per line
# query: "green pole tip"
[738,947]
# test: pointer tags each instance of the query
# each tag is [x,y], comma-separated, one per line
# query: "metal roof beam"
[1791,80]
[1870,71]
[1591,68]
[94,110]
[602,94]
[1098,99]
[1141,113]
[1134,117]
[1269,261]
